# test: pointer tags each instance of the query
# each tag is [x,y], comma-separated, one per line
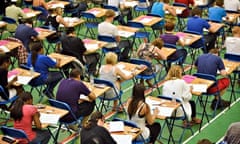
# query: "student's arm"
[36,120]
[170,9]
[150,117]
[158,54]
[92,96]
[118,38]
[44,4]
[61,21]
[122,74]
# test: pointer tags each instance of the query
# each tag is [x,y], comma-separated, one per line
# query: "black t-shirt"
[96,135]
[4,82]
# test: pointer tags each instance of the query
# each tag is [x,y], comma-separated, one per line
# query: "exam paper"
[49,118]
[122,139]
[116,126]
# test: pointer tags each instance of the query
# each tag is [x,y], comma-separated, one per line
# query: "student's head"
[219,3]
[158,42]
[36,48]
[236,31]
[175,72]
[75,73]
[70,30]
[59,10]
[96,118]
[4,61]
[196,11]
[169,26]
[214,51]
[28,22]
[109,14]
[204,141]
[111,58]
[16,110]
[137,95]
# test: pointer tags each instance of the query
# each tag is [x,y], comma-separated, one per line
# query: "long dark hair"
[93,120]
[137,95]
[16,110]
[35,49]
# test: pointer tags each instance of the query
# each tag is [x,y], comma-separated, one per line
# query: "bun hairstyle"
[92,121]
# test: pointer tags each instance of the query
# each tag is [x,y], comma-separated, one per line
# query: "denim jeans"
[52,80]
[42,136]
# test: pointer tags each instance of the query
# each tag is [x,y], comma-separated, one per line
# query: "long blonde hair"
[175,72]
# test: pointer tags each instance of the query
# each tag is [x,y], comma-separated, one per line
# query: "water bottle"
[31,70]
[174,97]
[91,80]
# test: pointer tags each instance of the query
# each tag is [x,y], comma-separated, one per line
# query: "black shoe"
[48,93]
[221,104]
[225,103]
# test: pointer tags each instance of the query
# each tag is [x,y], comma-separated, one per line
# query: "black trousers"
[155,129]
[193,106]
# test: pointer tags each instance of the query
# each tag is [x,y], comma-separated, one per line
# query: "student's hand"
[156,111]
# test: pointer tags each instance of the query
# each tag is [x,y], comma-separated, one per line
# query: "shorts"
[222,84]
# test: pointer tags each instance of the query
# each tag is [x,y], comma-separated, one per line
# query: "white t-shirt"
[233,45]
[233,5]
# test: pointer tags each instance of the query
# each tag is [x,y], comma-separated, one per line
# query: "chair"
[43,16]
[171,123]
[117,95]
[181,22]
[158,27]
[152,75]
[139,34]
[115,9]
[195,47]
[10,20]
[15,133]
[91,24]
[206,96]
[62,121]
[140,139]
[3,104]
[140,9]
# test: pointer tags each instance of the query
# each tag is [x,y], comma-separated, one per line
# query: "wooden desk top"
[64,59]
[30,13]
[230,66]
[126,31]
[10,45]
[98,12]
[179,9]
[232,17]
[216,26]
[57,3]
[167,52]
[188,38]
[93,45]
[73,22]
[44,32]
[3,142]
[96,90]
[201,81]
[51,110]
[129,68]
[134,132]
[2,24]
[147,20]
[164,103]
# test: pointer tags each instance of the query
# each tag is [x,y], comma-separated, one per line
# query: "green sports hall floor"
[214,130]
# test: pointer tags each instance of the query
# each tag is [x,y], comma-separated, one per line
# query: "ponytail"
[93,120]
[35,49]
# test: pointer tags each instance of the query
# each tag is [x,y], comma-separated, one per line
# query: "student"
[7,86]
[189,4]
[69,91]
[40,3]
[24,114]
[233,43]
[41,63]
[74,46]
[106,28]
[197,24]
[93,132]
[232,5]
[232,135]
[109,71]
[176,87]
[140,113]
[210,63]
[217,12]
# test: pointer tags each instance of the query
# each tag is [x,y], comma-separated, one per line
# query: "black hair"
[4,58]
[74,73]
[16,109]
[70,30]
[35,49]
[93,119]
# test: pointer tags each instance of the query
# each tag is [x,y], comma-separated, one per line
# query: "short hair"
[75,73]
[4,58]
[236,30]
[219,3]
[169,26]
[109,13]
[196,11]
[70,30]
[214,51]
[28,21]
[111,58]
[158,43]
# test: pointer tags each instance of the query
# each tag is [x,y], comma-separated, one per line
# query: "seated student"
[94,132]
[109,71]
[197,24]
[106,28]
[74,46]
[169,36]
[210,63]
[176,87]
[7,86]
[140,113]
[148,52]
[76,87]
[232,135]
[25,114]
[41,63]
[40,3]
[189,4]
[217,12]
[14,12]
[232,5]
[26,33]
[233,43]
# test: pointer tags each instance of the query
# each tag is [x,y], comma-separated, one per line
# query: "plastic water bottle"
[31,70]
[174,97]
[91,80]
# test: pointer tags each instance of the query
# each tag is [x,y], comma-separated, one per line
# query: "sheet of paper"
[91,47]
[145,20]
[116,126]
[121,66]
[199,87]
[95,12]
[4,49]
[152,102]
[49,118]
[24,79]
[188,78]
[11,78]
[126,72]
[178,11]
[83,97]
[125,34]
[163,111]
[122,139]
[30,14]
[130,3]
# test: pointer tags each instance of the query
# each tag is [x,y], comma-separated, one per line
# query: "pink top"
[26,123]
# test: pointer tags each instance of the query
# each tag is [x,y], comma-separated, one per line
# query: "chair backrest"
[167,45]
[179,56]
[191,32]
[15,133]
[155,15]
[88,15]
[105,6]
[9,20]
[232,57]
[2,91]
[179,4]
[62,105]
[105,38]
[135,24]
[141,62]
